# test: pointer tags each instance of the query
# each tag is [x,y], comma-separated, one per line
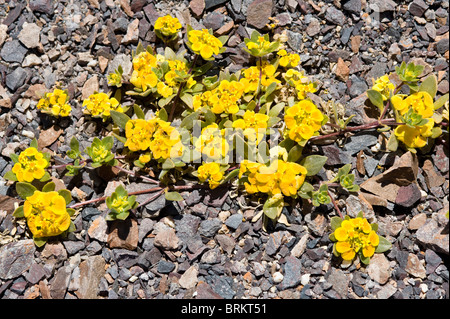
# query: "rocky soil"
[207,246]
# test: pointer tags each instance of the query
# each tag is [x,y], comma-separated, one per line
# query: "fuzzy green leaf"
[120,119]
[9,175]
[66,195]
[384,245]
[313,164]
[376,98]
[335,222]
[18,213]
[173,196]
[25,189]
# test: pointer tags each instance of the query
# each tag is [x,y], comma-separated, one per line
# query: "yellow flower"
[212,142]
[301,83]
[414,137]
[261,44]
[204,43]
[167,25]
[143,76]
[253,124]
[164,89]
[354,236]
[210,172]
[145,158]
[100,104]
[421,103]
[46,214]
[280,177]
[302,120]
[384,86]
[30,166]
[55,103]
[251,76]
[138,133]
[288,60]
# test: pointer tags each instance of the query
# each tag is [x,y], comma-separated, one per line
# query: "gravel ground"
[207,246]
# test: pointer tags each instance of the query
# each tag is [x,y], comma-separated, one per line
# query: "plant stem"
[367,126]
[145,178]
[259,85]
[335,205]
[177,98]
[152,198]
[88,160]
[388,104]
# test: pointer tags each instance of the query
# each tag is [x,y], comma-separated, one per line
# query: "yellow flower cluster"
[253,124]
[302,120]
[168,86]
[261,44]
[301,83]
[46,214]
[251,76]
[167,25]
[210,172]
[143,76]
[384,86]
[204,43]
[222,99]
[55,103]
[30,166]
[155,134]
[355,235]
[100,104]
[288,59]
[420,103]
[280,177]
[212,143]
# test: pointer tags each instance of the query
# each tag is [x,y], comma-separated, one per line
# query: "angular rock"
[339,281]
[354,6]
[16,79]
[356,204]
[43,6]
[189,279]
[132,35]
[197,7]
[334,16]
[213,3]
[432,178]
[123,234]
[13,51]
[12,16]
[234,221]
[300,247]
[434,235]
[91,271]
[167,240]
[35,273]
[90,86]
[360,142]
[379,269]
[386,292]
[417,221]
[415,267]
[204,291]
[210,227]
[417,8]
[382,6]
[407,196]
[274,242]
[258,13]
[16,258]
[387,184]
[342,71]
[313,27]
[227,243]
[30,35]
[292,273]
[60,282]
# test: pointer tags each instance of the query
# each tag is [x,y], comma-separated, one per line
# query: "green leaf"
[429,85]
[46,177]
[66,195]
[25,189]
[305,190]
[75,145]
[14,157]
[344,170]
[436,132]
[335,222]
[34,143]
[384,245]
[119,118]
[272,207]
[441,101]
[49,187]
[313,164]
[376,98]
[392,144]
[138,111]
[121,191]
[162,114]
[108,142]
[295,153]
[274,111]
[188,100]
[39,242]
[230,175]
[18,213]
[70,211]
[374,227]
[9,175]
[173,196]
[365,260]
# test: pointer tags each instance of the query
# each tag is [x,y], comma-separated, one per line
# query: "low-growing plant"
[211,128]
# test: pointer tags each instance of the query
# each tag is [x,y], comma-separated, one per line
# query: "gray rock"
[60,282]
[407,196]
[89,213]
[213,3]
[386,292]
[335,16]
[339,281]
[258,13]
[13,51]
[16,258]
[274,242]
[353,6]
[442,46]
[382,5]
[30,35]
[223,286]
[214,20]
[434,236]
[209,227]
[35,273]
[226,242]
[335,155]
[292,273]
[91,272]
[234,221]
[43,6]
[145,227]
[417,7]
[360,142]
[165,267]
